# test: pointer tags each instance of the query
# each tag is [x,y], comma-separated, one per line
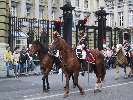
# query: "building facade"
[29,8]
[4,14]
[121,17]
[120,12]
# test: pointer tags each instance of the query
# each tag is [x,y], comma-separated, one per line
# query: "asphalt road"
[30,88]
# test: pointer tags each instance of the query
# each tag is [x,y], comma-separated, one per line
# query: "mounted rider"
[126,45]
[83,41]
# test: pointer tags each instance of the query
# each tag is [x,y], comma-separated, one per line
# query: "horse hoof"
[74,86]
[82,93]
[48,88]
[45,91]
[130,75]
[65,95]
[126,77]
[83,74]
[116,78]
[97,90]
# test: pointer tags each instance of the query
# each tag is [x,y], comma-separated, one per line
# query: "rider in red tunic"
[84,40]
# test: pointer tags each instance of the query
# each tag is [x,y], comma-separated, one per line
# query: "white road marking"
[56,95]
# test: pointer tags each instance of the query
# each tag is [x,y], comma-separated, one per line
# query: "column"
[4,14]
[101,3]
[125,14]
[23,11]
[36,8]
[116,20]
[49,9]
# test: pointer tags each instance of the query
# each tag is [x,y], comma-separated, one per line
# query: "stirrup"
[92,62]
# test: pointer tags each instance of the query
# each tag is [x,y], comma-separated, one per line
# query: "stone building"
[4,14]
[121,18]
[29,8]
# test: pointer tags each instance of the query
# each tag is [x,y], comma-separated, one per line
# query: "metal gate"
[22,31]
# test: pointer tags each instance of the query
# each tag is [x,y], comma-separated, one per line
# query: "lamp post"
[67,25]
[101,17]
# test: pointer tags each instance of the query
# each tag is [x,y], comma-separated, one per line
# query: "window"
[77,3]
[28,12]
[85,3]
[13,11]
[41,1]
[120,18]
[110,19]
[53,15]
[131,18]
[120,0]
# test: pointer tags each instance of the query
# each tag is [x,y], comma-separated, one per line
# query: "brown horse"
[98,67]
[121,60]
[70,62]
[46,61]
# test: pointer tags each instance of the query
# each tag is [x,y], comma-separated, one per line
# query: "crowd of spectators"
[20,61]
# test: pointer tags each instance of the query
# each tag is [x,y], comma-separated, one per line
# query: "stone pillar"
[23,12]
[125,14]
[68,18]
[49,9]
[4,14]
[101,3]
[36,9]
[116,21]
[101,17]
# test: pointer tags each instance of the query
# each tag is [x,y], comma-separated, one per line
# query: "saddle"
[90,57]
[85,55]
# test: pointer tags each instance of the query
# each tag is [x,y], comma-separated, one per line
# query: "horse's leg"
[66,86]
[98,72]
[98,84]
[131,70]
[48,87]
[103,73]
[125,70]
[46,77]
[74,86]
[76,75]
[117,71]
[44,86]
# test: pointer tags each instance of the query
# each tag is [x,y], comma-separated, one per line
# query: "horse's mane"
[43,49]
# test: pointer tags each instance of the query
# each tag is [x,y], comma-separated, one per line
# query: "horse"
[121,60]
[46,61]
[71,66]
[131,63]
[98,67]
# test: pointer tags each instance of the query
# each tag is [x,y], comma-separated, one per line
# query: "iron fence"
[22,31]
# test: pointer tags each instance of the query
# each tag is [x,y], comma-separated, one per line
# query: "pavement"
[30,88]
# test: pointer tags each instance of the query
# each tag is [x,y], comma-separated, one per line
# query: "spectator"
[23,60]
[8,60]
[16,56]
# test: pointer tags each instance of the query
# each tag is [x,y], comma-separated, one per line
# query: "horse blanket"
[84,54]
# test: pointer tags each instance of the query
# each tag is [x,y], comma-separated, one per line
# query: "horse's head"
[118,47]
[58,42]
[35,47]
